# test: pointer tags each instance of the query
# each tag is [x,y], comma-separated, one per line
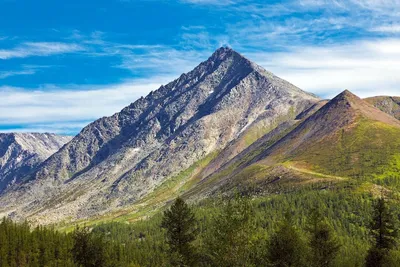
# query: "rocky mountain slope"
[20,153]
[345,138]
[388,104]
[120,160]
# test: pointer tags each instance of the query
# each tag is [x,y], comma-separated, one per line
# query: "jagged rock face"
[20,153]
[388,104]
[117,160]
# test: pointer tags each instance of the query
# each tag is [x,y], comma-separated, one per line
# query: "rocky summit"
[120,160]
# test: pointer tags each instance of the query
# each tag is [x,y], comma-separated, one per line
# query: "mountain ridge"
[347,137]
[341,113]
[117,160]
[226,125]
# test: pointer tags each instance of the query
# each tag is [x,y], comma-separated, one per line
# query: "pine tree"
[89,250]
[286,247]
[180,224]
[4,243]
[323,244]
[230,240]
[383,232]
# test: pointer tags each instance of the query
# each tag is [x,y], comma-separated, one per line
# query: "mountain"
[20,153]
[125,158]
[340,137]
[388,104]
[346,138]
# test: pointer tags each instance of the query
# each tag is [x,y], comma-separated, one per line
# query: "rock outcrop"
[21,153]
[388,104]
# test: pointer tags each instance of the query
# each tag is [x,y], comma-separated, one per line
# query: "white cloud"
[149,59]
[212,2]
[394,28]
[367,68]
[308,21]
[389,6]
[51,108]
[378,5]
[25,70]
[39,49]
[6,74]
[159,60]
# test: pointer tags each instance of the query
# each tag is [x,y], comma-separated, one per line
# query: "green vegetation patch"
[369,149]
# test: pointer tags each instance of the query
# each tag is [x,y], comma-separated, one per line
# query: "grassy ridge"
[369,149]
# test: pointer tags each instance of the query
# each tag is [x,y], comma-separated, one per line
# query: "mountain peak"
[131,153]
[316,140]
[346,106]
[347,96]
[347,93]
[223,49]
[224,53]
[347,102]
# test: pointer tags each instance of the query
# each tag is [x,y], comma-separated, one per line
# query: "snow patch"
[18,159]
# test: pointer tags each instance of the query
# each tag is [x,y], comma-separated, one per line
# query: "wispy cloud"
[304,22]
[25,70]
[212,2]
[394,28]
[146,60]
[48,107]
[390,6]
[157,60]
[365,67]
[39,49]
[6,74]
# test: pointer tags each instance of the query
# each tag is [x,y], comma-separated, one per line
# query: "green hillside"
[368,149]
[347,137]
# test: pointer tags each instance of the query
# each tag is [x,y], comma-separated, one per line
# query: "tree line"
[232,240]
[233,235]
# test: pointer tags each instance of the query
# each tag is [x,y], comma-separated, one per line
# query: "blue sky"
[66,63]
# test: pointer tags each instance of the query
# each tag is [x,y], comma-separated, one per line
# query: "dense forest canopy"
[234,231]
